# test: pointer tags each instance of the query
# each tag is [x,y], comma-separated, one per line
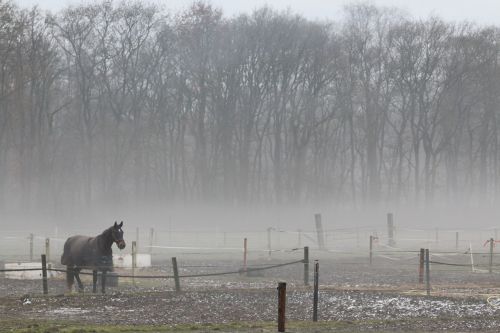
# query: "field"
[354,296]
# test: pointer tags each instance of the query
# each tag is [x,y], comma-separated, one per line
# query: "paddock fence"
[383,256]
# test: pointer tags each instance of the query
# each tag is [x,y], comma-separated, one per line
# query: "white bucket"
[125,260]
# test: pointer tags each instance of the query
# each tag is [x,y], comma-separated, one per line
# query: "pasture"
[354,295]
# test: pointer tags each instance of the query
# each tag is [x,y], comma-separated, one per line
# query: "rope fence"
[404,265]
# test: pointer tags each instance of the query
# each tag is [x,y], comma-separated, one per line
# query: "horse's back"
[75,249]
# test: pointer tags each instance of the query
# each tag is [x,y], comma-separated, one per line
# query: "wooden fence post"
[47,248]
[357,237]
[390,229]
[151,239]
[427,272]
[492,243]
[31,238]
[269,240]
[134,260]
[137,236]
[176,274]
[319,231]
[456,240]
[245,249]
[306,265]
[44,275]
[371,249]
[316,290]
[281,306]
[421,266]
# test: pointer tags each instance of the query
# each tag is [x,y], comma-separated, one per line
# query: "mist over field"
[195,120]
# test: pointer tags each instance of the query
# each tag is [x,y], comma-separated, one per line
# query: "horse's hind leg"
[94,281]
[103,282]
[77,277]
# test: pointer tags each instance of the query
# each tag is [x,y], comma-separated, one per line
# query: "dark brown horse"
[82,252]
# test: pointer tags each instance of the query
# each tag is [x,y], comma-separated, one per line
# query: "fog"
[197,120]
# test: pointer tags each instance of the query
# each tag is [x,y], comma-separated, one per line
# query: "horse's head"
[117,234]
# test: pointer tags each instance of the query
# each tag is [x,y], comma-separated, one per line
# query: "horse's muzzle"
[120,244]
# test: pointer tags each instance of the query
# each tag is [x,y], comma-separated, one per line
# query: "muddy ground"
[382,297]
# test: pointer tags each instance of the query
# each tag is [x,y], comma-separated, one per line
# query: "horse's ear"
[121,224]
[116,224]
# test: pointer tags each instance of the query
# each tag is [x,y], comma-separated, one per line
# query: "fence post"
[427,272]
[281,306]
[269,240]
[316,291]
[47,248]
[456,240]
[31,238]
[371,249]
[176,274]
[357,237]
[492,243]
[134,260]
[306,265]
[245,249]
[44,275]
[319,231]
[137,236]
[390,229]
[151,239]
[421,266]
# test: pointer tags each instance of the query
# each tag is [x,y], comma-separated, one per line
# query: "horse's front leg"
[103,281]
[77,277]
[70,277]
[94,281]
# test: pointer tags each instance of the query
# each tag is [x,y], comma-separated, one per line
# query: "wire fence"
[452,252]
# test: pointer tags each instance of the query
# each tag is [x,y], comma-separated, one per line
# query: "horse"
[83,252]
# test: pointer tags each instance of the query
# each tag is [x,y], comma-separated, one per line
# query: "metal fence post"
[151,239]
[316,290]
[47,248]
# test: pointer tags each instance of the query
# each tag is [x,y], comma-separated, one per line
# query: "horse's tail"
[65,255]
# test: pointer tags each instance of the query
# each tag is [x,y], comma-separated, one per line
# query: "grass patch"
[42,326]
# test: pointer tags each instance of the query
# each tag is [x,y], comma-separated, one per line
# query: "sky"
[482,12]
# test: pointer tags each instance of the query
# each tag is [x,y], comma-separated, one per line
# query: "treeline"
[123,103]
